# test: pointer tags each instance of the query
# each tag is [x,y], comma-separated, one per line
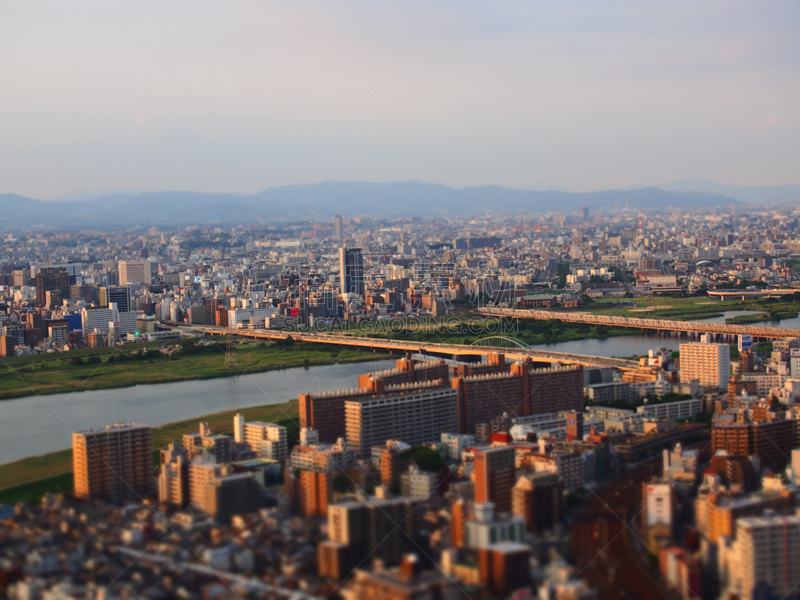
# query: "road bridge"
[512,351]
[659,325]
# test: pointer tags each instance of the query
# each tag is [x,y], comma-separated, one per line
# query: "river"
[29,427]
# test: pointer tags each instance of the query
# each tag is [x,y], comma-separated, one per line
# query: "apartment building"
[494,475]
[114,463]
[764,555]
[414,413]
[710,364]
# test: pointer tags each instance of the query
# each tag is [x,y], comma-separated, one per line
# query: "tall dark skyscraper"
[51,280]
[351,271]
[120,295]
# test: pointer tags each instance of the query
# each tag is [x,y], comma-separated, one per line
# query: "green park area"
[124,366]
[30,478]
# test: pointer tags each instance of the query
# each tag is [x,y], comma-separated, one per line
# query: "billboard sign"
[745,342]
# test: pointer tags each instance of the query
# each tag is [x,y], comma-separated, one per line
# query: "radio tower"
[641,230]
[230,354]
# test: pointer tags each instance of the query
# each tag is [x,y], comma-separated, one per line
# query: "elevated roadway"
[410,347]
[659,325]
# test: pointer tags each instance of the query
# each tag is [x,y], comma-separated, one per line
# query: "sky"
[240,96]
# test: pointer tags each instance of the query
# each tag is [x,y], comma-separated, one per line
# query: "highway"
[430,348]
[600,540]
[690,327]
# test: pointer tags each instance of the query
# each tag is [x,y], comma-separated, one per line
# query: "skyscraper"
[113,464]
[119,295]
[351,271]
[337,227]
[134,271]
[50,279]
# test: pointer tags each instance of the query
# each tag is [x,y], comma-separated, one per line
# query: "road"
[601,545]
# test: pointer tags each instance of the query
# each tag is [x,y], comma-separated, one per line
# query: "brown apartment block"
[495,363]
[523,391]
[325,413]
[310,492]
[519,391]
[407,371]
[769,440]
[393,464]
[504,567]
[494,476]
[114,463]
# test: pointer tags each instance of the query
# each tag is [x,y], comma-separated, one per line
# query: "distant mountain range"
[322,200]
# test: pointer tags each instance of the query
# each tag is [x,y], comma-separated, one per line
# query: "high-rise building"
[324,413]
[204,442]
[114,463]
[311,491]
[267,440]
[50,279]
[539,499]
[217,491]
[351,271]
[380,529]
[238,428]
[413,413]
[766,440]
[173,480]
[494,476]
[121,296]
[6,346]
[394,461]
[134,271]
[521,392]
[763,561]
[710,364]
[337,227]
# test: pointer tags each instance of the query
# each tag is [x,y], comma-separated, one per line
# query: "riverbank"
[56,374]
[28,479]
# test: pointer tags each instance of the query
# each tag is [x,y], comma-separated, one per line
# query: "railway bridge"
[721,331]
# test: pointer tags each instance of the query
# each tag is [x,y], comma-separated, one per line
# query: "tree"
[287,343]
[341,483]
[428,459]
[76,360]
[93,360]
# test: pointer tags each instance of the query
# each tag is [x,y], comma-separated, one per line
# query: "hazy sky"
[532,94]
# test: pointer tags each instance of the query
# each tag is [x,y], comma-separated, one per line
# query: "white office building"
[134,271]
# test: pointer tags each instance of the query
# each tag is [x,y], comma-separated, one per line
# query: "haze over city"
[241,96]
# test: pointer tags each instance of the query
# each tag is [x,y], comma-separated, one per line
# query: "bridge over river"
[690,328]
[512,348]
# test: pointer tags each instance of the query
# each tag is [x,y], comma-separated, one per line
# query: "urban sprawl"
[483,465]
